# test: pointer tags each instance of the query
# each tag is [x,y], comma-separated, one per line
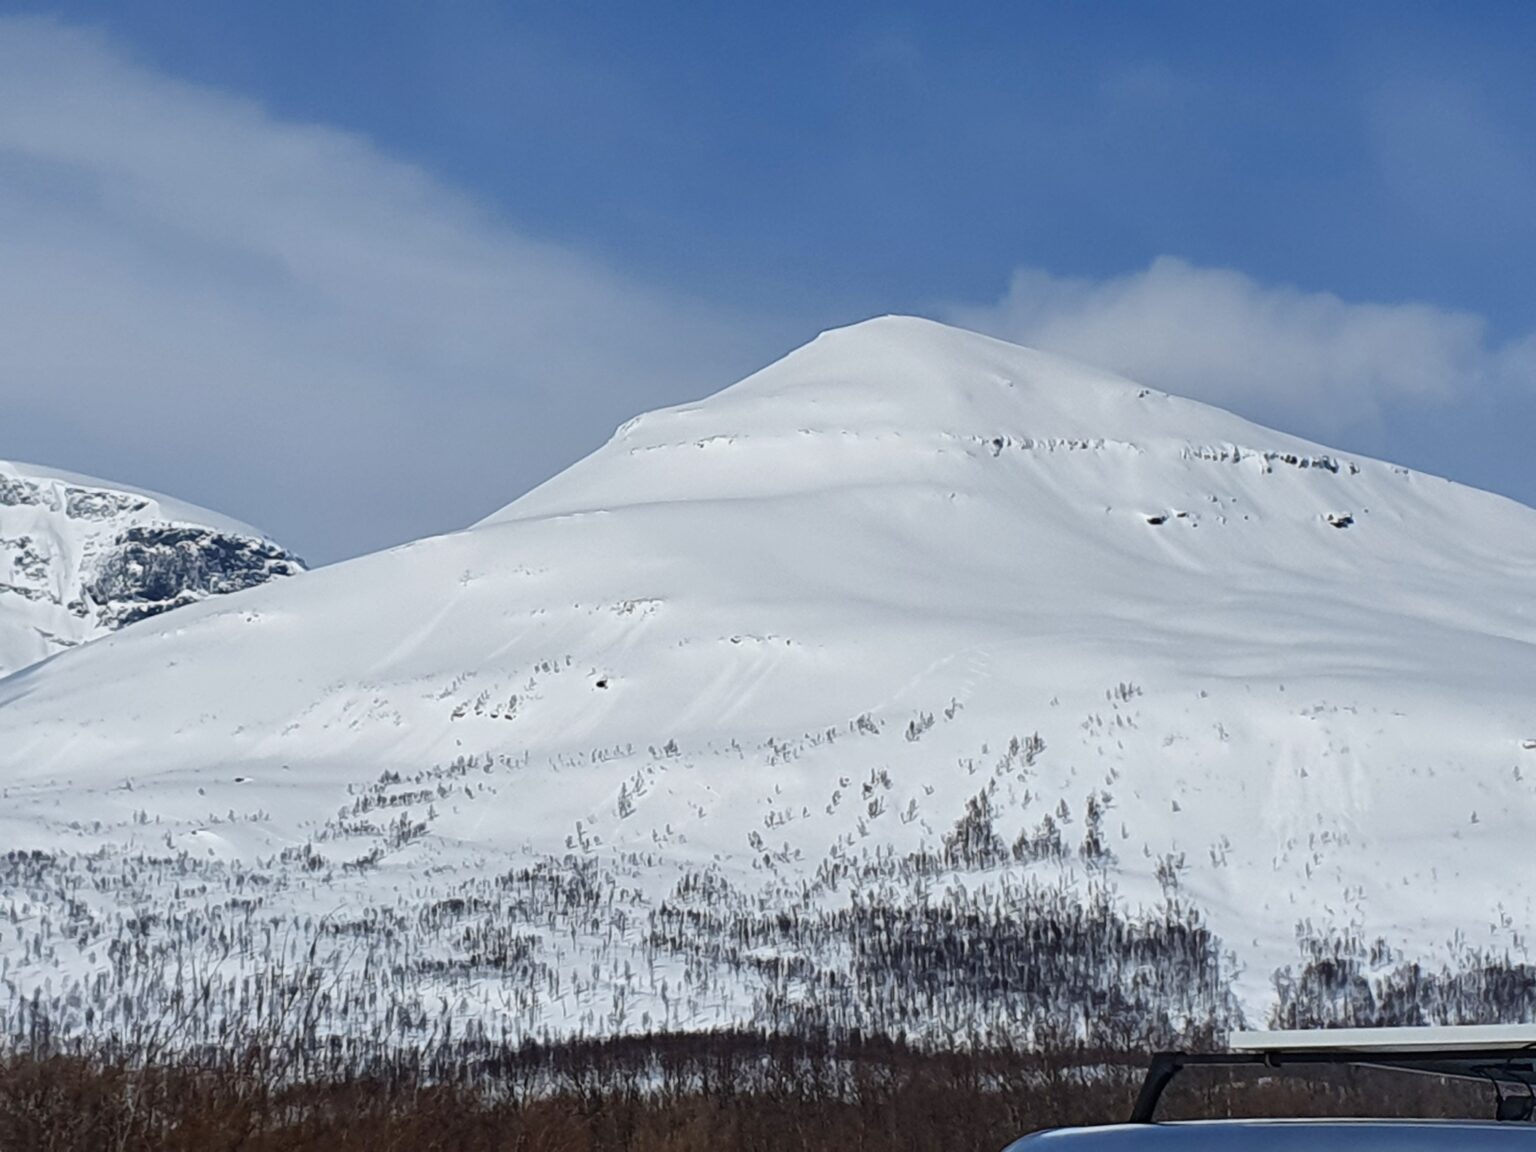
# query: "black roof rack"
[1502,1055]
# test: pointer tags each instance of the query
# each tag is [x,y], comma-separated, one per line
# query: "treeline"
[573,949]
[1344,982]
[913,947]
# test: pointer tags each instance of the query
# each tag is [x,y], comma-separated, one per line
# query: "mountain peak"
[894,399]
[912,360]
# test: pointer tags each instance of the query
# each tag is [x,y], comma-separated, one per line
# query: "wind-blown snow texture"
[81,557]
[911,620]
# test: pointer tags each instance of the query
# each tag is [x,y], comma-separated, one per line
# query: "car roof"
[1287,1136]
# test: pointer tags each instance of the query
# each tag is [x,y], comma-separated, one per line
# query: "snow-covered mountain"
[81,557]
[859,694]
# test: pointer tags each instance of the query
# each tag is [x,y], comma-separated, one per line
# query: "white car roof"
[1462,1037]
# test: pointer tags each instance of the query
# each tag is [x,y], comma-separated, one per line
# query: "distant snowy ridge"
[81,557]
[917,683]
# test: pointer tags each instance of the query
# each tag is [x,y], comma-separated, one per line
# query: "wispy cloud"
[1308,361]
[280,320]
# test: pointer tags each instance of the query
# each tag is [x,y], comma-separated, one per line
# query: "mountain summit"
[911,610]
[834,412]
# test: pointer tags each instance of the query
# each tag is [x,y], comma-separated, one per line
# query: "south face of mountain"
[914,652]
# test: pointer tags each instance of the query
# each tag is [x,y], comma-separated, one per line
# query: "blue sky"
[1317,214]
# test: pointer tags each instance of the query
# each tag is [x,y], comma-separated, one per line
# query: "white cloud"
[282,321]
[1306,360]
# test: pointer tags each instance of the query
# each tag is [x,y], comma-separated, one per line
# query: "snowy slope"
[80,557]
[773,647]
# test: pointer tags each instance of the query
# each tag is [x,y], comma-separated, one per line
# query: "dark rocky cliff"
[152,568]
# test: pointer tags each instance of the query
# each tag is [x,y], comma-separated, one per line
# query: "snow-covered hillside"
[892,653]
[81,557]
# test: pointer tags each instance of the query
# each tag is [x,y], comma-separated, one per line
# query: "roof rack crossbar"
[1499,1065]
